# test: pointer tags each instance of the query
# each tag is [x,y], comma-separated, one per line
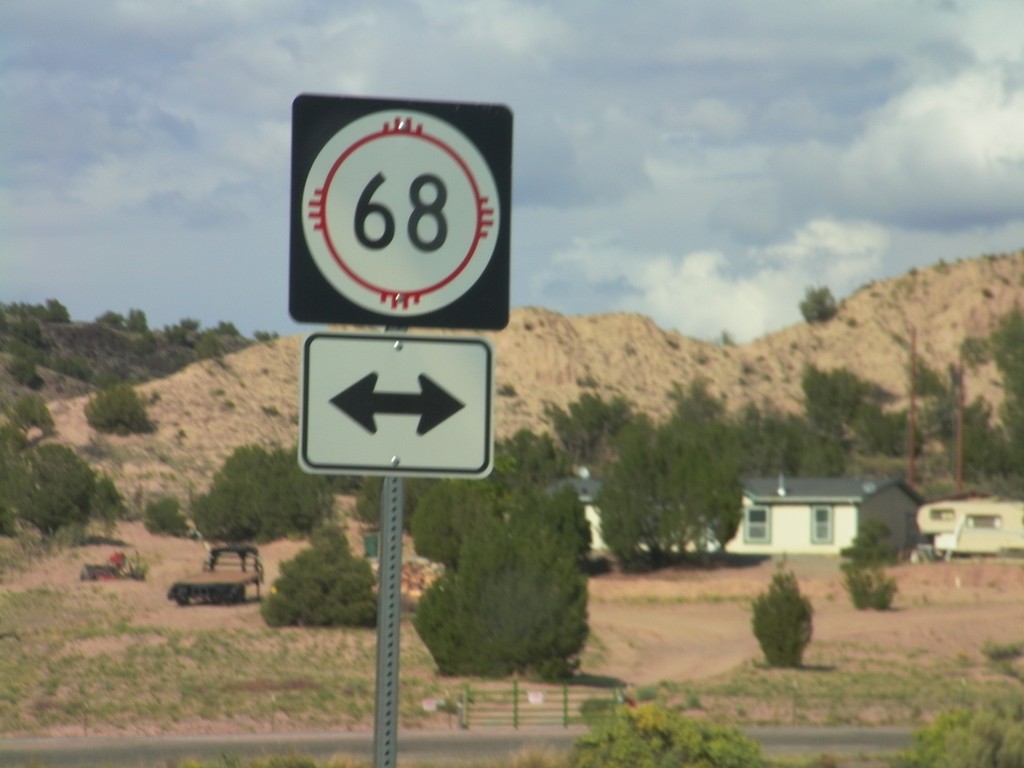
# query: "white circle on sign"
[400,212]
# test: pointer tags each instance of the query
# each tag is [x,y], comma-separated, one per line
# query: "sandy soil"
[690,625]
[673,626]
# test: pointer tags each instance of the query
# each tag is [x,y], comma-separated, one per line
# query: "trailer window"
[821,525]
[942,513]
[984,521]
[758,525]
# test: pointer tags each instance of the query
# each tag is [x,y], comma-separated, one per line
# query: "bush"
[30,412]
[144,343]
[111,318]
[651,737]
[23,370]
[992,737]
[136,322]
[262,495]
[872,545]
[783,621]
[55,312]
[56,489]
[118,410]
[1001,653]
[28,331]
[7,524]
[164,516]
[75,366]
[596,712]
[516,603]
[446,516]
[107,502]
[868,587]
[209,347]
[323,586]
[818,305]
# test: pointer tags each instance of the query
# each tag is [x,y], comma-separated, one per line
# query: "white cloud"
[677,164]
[823,243]
[704,293]
[530,32]
[943,148]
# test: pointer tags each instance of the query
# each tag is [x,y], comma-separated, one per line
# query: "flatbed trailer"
[220,582]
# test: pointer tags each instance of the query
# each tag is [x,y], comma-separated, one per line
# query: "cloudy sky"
[703,162]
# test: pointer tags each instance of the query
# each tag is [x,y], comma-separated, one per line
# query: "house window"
[758,525]
[821,525]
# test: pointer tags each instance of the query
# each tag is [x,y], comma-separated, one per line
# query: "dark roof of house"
[812,489]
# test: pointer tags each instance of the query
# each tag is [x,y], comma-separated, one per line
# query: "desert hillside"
[251,397]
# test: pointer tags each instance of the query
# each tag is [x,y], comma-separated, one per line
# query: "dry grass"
[119,658]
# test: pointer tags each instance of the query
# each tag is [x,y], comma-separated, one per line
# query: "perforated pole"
[389,607]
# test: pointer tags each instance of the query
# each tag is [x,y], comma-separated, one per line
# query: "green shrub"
[112,318]
[118,410]
[990,738]
[144,343]
[783,621]
[868,587]
[651,737]
[28,412]
[818,305]
[598,711]
[23,370]
[75,366]
[107,504]
[55,312]
[290,761]
[517,602]
[872,545]
[55,489]
[164,516]
[323,586]
[137,322]
[209,347]
[1002,652]
[7,526]
[446,516]
[262,495]
[28,331]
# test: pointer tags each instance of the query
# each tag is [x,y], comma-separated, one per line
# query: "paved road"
[443,746]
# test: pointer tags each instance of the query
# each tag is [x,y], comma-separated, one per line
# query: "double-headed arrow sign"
[361,402]
[392,404]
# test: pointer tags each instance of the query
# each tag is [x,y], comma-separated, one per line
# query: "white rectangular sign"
[396,404]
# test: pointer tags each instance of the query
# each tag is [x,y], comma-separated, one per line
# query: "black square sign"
[400,213]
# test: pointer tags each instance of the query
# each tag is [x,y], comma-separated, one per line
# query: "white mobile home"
[821,515]
[980,526]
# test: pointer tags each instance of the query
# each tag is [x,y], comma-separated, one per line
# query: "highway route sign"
[396,404]
[400,212]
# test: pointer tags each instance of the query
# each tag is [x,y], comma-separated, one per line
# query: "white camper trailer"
[985,526]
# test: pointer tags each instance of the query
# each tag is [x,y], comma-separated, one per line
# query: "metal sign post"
[400,215]
[389,610]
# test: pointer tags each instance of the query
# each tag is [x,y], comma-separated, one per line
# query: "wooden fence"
[521,704]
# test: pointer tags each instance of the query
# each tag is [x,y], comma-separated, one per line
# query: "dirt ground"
[686,625]
[675,625]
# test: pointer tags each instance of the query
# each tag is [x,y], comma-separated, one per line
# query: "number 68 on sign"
[401,214]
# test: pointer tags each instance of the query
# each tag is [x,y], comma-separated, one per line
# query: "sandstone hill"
[209,408]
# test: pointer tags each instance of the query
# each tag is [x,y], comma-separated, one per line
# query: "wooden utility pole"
[912,420]
[960,426]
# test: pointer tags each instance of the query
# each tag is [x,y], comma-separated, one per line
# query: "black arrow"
[361,404]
